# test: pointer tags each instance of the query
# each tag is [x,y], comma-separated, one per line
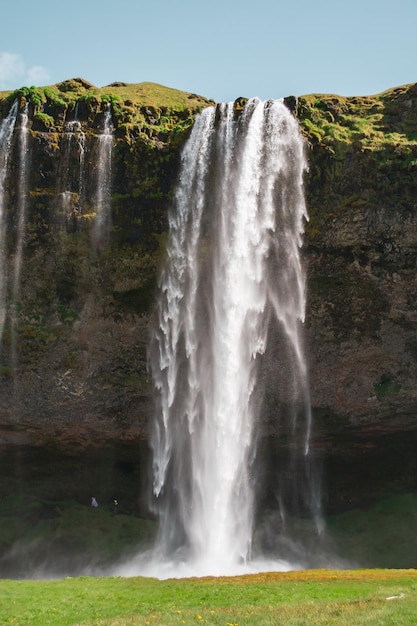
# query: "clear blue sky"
[221,49]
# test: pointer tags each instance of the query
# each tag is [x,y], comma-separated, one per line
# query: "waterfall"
[231,291]
[72,182]
[104,178]
[6,135]
[75,129]
[22,193]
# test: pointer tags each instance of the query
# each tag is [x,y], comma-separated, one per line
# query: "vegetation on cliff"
[365,148]
[150,111]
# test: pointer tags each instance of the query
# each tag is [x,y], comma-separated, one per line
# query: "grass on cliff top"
[319,597]
[152,94]
[385,120]
[157,114]
[143,94]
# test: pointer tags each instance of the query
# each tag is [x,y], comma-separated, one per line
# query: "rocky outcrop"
[73,360]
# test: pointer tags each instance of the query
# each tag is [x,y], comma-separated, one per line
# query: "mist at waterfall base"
[227,357]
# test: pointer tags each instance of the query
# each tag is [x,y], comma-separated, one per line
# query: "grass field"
[319,597]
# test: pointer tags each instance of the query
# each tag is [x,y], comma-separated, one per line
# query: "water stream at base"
[227,337]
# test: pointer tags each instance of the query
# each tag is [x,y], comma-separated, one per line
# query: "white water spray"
[104,178]
[6,135]
[232,284]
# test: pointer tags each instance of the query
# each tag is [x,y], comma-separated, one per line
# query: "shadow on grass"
[46,539]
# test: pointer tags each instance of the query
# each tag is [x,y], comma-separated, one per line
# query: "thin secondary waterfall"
[81,152]
[71,185]
[232,284]
[76,131]
[22,194]
[6,135]
[104,178]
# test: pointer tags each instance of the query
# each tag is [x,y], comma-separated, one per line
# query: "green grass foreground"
[319,597]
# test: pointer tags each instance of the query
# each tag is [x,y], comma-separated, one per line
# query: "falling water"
[22,192]
[71,185]
[6,134]
[104,175]
[22,198]
[233,285]
[75,129]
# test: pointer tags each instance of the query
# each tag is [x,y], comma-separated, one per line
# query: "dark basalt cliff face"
[360,250]
[73,358]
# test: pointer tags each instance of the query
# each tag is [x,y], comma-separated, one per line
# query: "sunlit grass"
[370,122]
[153,94]
[305,597]
[155,113]
[145,94]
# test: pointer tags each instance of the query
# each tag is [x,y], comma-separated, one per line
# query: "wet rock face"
[73,359]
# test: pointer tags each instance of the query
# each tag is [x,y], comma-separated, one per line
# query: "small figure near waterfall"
[94,503]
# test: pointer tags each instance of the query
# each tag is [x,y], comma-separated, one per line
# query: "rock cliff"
[360,251]
[73,355]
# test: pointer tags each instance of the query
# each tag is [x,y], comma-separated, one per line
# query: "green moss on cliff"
[153,112]
[365,123]
[362,153]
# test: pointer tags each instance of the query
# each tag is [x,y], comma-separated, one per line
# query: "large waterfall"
[227,336]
